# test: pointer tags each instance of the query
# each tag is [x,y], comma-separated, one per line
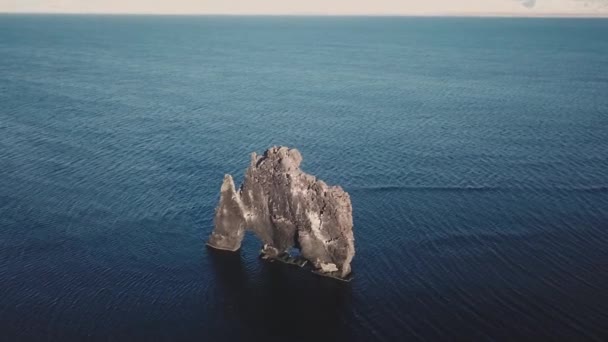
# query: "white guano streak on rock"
[236,196]
[315,225]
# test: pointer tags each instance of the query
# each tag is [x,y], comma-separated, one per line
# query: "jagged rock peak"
[285,208]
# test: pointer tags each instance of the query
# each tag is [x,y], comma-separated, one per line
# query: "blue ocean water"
[475,152]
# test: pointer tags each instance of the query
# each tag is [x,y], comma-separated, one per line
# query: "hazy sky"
[394,7]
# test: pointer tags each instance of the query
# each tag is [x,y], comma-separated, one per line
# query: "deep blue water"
[475,152]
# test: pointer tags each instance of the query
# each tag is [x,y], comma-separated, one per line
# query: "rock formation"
[286,207]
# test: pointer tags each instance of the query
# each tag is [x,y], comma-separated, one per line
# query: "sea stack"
[285,208]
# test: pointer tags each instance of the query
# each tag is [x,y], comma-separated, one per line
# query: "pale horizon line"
[320,14]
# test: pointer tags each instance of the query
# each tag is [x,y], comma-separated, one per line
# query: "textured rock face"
[285,208]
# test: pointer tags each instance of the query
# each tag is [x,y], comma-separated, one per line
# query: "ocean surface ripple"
[474,150]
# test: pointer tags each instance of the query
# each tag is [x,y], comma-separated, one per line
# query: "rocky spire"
[286,207]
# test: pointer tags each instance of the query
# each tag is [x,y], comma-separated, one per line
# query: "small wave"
[388,188]
[427,188]
[601,188]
